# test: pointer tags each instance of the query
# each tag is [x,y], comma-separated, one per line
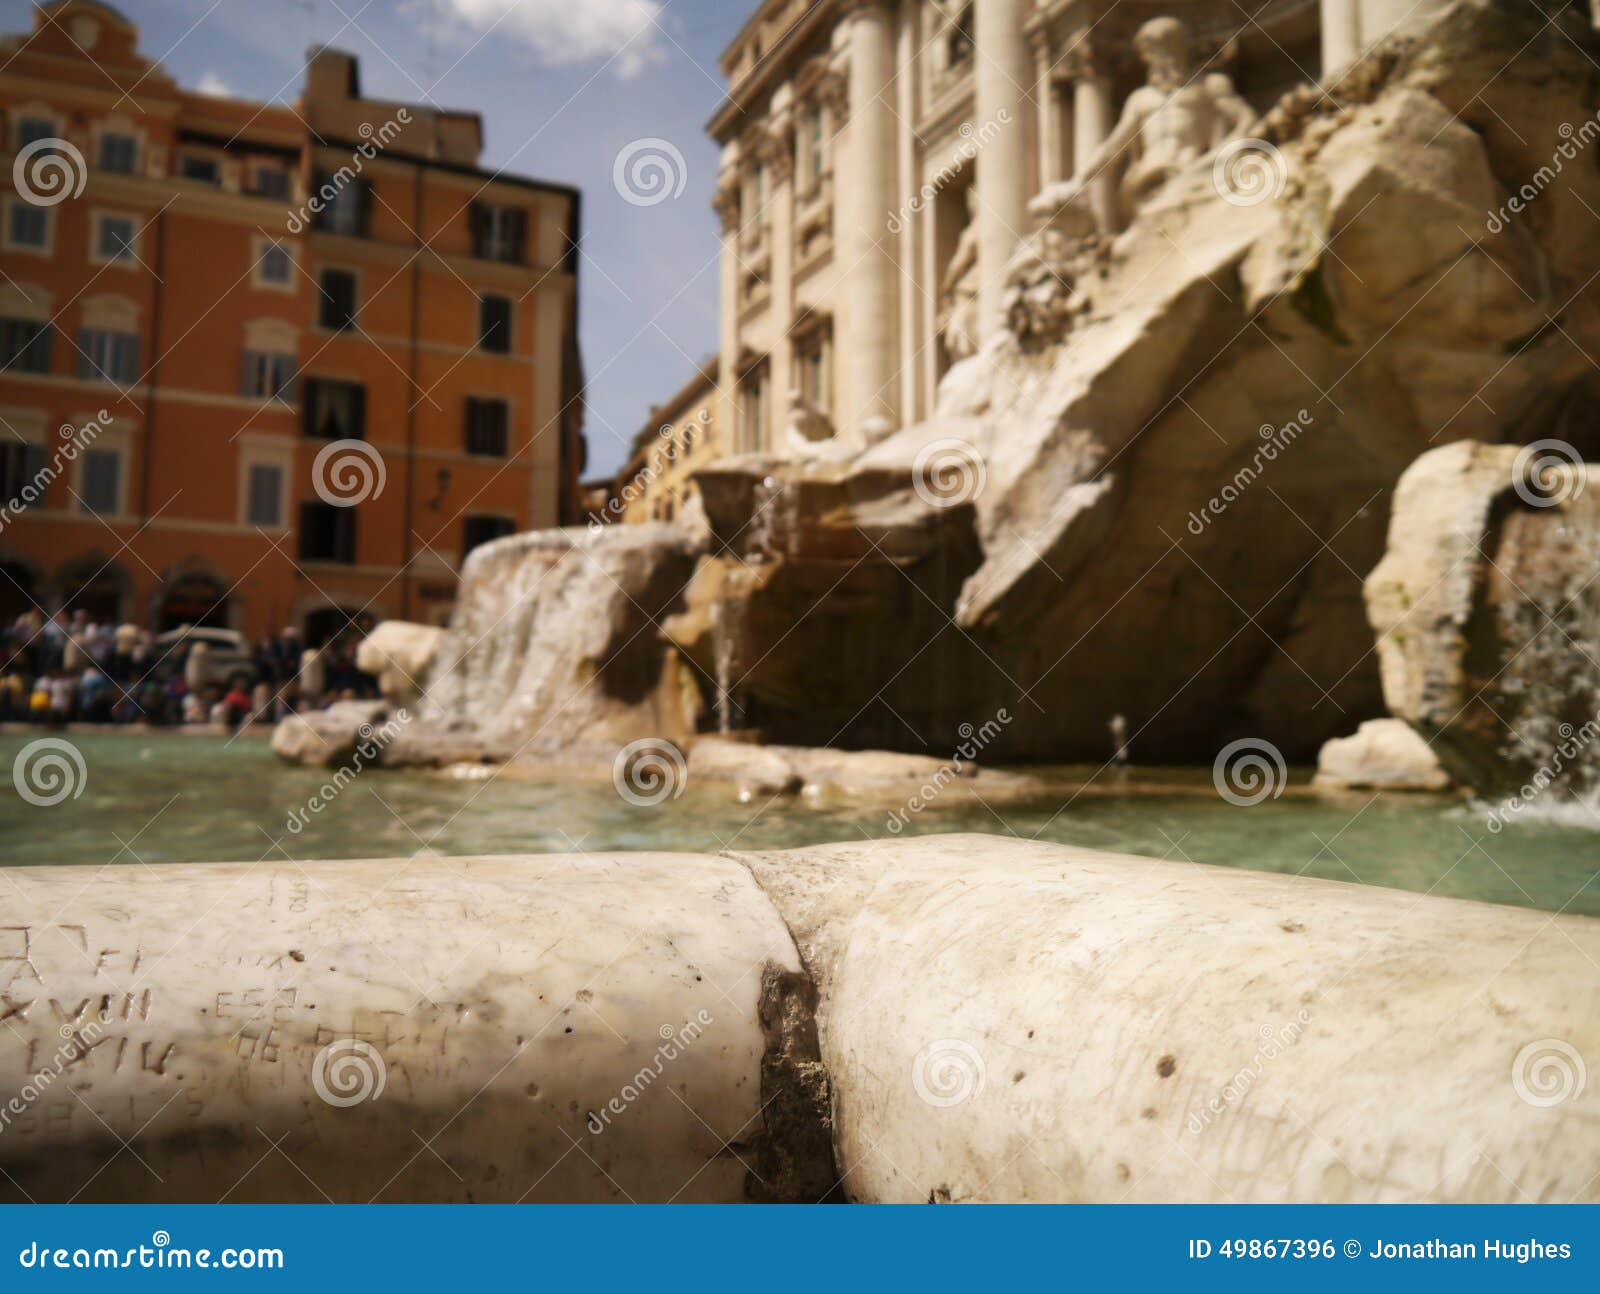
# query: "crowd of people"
[62,669]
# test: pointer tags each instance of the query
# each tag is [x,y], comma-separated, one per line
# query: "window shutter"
[358,413]
[247,373]
[308,407]
[86,360]
[519,236]
[366,209]
[478,218]
[127,347]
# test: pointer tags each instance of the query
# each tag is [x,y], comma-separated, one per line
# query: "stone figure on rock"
[810,432]
[958,292]
[1178,116]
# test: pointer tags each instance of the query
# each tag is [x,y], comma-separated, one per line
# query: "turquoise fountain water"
[160,798]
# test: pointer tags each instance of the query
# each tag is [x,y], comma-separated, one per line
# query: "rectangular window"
[335,410]
[114,238]
[264,495]
[119,153]
[342,204]
[271,182]
[477,531]
[108,356]
[499,233]
[100,489]
[277,265]
[203,169]
[815,144]
[28,226]
[494,325]
[753,411]
[269,376]
[24,346]
[337,309]
[487,423]
[327,533]
[30,130]
[21,465]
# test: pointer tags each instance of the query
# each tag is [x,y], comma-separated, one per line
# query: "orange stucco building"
[201,296]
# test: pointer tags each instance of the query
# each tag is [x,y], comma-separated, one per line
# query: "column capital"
[774,147]
[726,201]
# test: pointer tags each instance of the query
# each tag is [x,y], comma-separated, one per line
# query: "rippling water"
[165,798]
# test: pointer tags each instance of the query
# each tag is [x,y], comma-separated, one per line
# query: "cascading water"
[1546,608]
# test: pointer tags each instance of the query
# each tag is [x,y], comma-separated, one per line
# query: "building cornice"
[725,122]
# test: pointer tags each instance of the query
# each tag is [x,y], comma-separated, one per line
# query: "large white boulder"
[399,655]
[1382,755]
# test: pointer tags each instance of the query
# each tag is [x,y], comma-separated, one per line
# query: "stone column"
[778,158]
[1044,93]
[1003,71]
[1341,36]
[1094,117]
[726,203]
[867,200]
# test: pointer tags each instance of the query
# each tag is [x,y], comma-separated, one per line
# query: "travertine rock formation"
[1169,514]
[1487,611]
[791,1026]
[556,639]
[399,655]
[1382,755]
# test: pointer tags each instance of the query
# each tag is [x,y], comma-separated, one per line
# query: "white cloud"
[561,33]
[215,86]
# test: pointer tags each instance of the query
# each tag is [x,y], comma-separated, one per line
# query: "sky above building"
[609,95]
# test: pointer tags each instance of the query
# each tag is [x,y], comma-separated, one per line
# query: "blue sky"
[564,86]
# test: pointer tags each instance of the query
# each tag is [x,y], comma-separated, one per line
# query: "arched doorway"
[19,590]
[102,590]
[194,598]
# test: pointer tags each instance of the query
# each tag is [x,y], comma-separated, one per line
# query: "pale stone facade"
[880,157]
[682,436]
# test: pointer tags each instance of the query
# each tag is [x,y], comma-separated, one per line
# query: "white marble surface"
[506,1002]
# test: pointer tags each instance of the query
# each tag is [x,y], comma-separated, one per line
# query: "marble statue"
[810,429]
[958,293]
[1178,116]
